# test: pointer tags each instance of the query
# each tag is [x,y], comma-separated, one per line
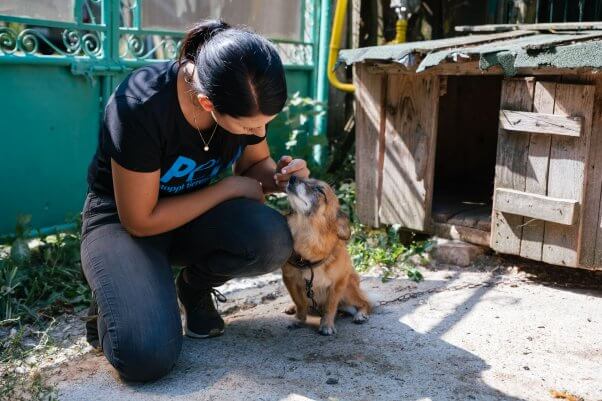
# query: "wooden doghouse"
[494,138]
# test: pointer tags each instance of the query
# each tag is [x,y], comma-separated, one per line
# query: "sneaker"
[200,313]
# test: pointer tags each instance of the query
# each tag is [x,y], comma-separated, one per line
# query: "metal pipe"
[335,43]
[40,232]
[322,61]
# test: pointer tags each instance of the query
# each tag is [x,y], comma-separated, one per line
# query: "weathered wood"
[410,139]
[537,170]
[590,254]
[471,68]
[539,123]
[446,206]
[511,165]
[370,93]
[459,68]
[540,207]
[474,217]
[567,171]
[467,234]
[485,223]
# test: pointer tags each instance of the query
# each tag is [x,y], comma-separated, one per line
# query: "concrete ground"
[480,333]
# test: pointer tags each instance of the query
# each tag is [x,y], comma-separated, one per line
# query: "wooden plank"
[356,23]
[567,171]
[467,234]
[410,139]
[484,223]
[369,94]
[446,207]
[471,217]
[591,231]
[539,123]
[471,67]
[537,170]
[540,207]
[511,165]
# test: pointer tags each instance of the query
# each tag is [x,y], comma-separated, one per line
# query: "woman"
[155,198]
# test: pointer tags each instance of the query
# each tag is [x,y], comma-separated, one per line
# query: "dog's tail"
[356,297]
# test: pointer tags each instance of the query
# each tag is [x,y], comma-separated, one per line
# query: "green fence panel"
[48,132]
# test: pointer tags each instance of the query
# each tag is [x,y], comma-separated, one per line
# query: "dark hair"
[238,70]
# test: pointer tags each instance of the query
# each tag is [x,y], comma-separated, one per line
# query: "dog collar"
[300,263]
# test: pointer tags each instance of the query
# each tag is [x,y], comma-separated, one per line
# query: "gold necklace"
[188,79]
[196,125]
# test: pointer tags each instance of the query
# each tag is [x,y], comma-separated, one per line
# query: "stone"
[456,253]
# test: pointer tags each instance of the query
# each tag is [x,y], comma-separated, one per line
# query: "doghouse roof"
[559,46]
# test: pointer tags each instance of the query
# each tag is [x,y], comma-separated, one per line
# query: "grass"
[41,279]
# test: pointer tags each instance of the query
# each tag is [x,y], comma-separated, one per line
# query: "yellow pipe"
[401,26]
[335,43]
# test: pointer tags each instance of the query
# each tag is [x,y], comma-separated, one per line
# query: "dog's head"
[317,203]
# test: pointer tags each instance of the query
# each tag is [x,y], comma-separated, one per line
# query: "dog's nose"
[292,180]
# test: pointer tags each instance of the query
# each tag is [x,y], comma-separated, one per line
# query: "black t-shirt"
[144,130]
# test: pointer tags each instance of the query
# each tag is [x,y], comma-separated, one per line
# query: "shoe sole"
[192,334]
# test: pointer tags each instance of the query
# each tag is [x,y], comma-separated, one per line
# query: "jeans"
[139,325]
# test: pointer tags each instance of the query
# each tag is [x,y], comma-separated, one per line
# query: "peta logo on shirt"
[194,175]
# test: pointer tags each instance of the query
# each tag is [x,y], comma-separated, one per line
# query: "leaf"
[414,274]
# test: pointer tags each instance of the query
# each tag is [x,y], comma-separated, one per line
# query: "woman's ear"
[343,229]
[205,103]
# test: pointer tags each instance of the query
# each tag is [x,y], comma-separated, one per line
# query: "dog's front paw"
[327,330]
[291,310]
[360,318]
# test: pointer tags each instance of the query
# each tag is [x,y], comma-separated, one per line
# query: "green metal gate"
[58,66]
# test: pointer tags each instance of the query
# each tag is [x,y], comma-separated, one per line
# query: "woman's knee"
[270,241]
[145,356]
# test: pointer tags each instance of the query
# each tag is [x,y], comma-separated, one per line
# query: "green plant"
[297,117]
[44,280]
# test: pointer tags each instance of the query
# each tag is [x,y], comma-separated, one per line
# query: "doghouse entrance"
[466,153]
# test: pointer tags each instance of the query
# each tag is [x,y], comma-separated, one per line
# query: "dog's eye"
[321,190]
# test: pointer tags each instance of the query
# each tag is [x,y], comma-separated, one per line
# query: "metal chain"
[488,283]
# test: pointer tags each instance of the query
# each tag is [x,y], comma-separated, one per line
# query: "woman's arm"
[142,213]
[256,163]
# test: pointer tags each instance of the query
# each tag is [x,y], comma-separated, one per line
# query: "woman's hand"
[286,167]
[243,187]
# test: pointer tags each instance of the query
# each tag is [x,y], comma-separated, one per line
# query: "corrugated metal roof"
[549,26]
[509,50]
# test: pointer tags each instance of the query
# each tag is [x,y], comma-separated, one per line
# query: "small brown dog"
[320,269]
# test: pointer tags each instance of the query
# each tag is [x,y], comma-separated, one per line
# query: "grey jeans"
[139,325]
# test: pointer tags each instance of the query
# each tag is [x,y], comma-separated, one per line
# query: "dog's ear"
[343,229]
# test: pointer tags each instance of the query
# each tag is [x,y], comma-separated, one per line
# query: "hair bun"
[198,35]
